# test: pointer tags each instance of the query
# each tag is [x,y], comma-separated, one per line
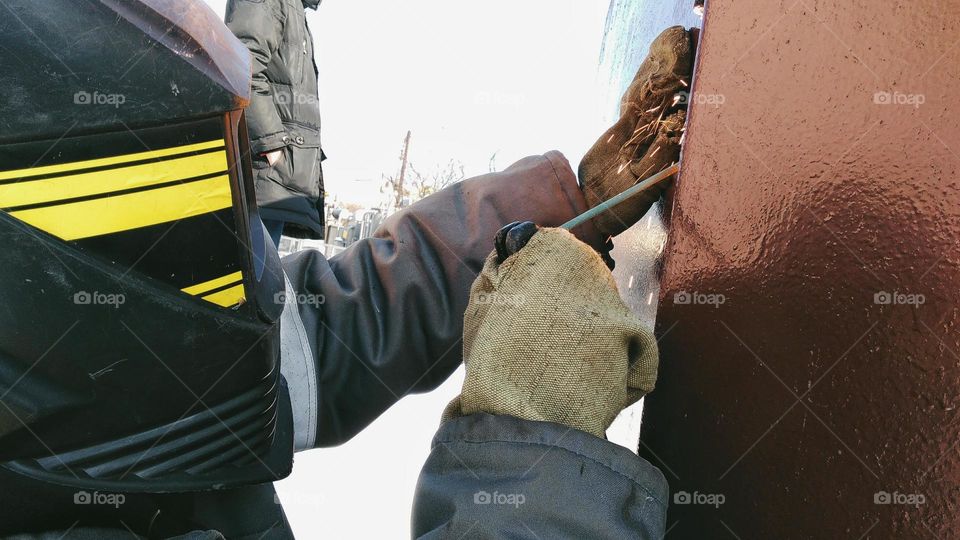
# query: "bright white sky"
[469,79]
[515,77]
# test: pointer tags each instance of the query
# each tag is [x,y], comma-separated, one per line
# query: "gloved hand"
[646,138]
[546,337]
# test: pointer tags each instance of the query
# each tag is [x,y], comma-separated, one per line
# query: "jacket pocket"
[304,173]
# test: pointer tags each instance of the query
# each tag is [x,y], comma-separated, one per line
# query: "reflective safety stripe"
[224,291]
[114,160]
[207,286]
[227,297]
[50,190]
[103,196]
[83,219]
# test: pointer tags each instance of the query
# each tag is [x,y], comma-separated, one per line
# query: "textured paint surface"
[801,402]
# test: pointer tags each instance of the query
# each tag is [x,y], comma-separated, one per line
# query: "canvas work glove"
[546,337]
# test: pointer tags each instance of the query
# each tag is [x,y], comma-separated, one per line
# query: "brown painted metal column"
[810,372]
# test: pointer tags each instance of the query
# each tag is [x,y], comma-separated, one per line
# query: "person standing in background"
[284,114]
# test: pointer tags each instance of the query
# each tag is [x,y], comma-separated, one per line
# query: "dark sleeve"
[388,319]
[259,25]
[501,477]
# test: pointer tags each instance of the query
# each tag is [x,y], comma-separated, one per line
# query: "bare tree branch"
[424,185]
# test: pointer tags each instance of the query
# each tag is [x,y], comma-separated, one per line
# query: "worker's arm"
[502,477]
[552,356]
[259,25]
[385,317]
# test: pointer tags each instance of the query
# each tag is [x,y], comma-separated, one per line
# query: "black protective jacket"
[284,111]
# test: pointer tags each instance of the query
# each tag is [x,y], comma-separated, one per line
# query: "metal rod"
[633,190]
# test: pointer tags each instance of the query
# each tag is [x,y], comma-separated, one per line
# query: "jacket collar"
[312,4]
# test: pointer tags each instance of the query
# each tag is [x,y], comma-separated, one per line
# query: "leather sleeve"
[259,25]
[387,315]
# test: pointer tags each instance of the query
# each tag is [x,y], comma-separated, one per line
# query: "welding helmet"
[138,341]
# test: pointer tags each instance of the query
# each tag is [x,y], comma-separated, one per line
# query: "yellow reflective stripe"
[201,288]
[95,217]
[92,183]
[115,160]
[227,297]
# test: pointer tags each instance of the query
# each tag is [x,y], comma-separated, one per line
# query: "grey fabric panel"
[501,477]
[298,368]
